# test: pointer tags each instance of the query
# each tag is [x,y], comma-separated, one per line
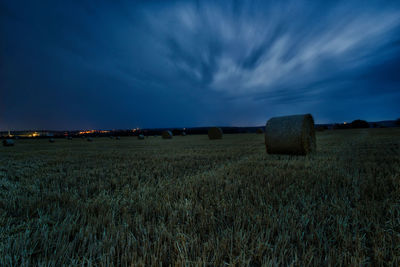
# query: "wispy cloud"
[267,47]
[205,62]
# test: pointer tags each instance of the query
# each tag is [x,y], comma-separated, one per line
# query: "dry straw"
[8,142]
[167,135]
[215,133]
[290,135]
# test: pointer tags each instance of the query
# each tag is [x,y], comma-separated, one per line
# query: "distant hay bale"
[51,140]
[215,133]
[167,135]
[140,137]
[8,142]
[183,133]
[69,137]
[260,131]
[290,135]
[118,138]
[90,139]
[111,137]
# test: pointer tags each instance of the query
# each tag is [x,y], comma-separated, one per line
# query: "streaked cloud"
[205,62]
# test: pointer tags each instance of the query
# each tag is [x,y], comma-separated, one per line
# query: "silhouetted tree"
[398,122]
[359,124]
[337,126]
[177,131]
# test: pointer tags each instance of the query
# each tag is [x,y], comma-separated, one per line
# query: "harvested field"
[194,202]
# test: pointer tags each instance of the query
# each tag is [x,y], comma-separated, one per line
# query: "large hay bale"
[51,140]
[8,142]
[140,137]
[215,133]
[183,133]
[90,139]
[69,137]
[118,138]
[290,135]
[167,135]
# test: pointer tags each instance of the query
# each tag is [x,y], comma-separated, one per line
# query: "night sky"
[126,64]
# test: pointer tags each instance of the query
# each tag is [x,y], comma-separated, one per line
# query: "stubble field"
[190,201]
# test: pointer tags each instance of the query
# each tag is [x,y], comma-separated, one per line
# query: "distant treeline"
[357,124]
[198,130]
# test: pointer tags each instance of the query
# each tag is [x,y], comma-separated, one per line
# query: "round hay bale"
[140,137]
[8,142]
[215,133]
[51,140]
[183,133]
[69,137]
[90,139]
[167,135]
[118,138]
[260,131]
[290,135]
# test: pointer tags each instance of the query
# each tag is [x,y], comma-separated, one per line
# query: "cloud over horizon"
[71,65]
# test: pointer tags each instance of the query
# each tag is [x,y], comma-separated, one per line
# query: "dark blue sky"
[125,64]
